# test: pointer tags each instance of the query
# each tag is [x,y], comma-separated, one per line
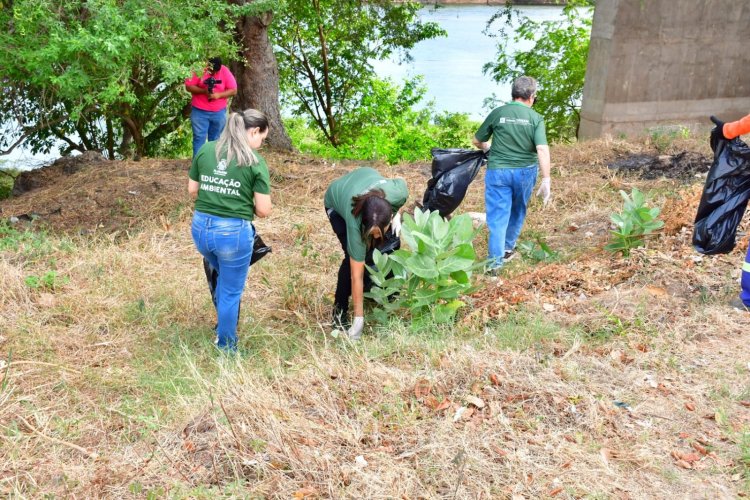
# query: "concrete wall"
[654,62]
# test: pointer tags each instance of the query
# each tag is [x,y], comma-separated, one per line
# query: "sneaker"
[737,304]
[492,272]
[509,255]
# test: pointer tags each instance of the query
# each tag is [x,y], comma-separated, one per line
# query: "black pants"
[344,282]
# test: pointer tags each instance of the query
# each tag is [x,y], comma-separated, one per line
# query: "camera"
[210,83]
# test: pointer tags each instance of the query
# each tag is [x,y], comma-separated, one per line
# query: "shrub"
[429,278]
[634,223]
[388,127]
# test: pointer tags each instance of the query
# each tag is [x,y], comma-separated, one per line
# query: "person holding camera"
[209,101]
[360,206]
[231,185]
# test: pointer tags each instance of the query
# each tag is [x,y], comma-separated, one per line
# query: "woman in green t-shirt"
[231,185]
[360,206]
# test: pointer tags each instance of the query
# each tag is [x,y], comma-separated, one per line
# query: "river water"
[451,65]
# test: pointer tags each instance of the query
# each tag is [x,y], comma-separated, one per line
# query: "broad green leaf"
[423,266]
[452,264]
[461,277]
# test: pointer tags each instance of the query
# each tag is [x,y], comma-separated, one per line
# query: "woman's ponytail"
[233,140]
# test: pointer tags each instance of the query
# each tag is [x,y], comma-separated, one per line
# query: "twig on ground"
[81,449]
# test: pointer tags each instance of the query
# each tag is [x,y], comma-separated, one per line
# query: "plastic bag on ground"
[452,172]
[725,197]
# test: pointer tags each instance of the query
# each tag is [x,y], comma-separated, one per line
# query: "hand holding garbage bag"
[396,224]
[719,130]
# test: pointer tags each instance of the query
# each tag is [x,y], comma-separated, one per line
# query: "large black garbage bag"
[725,197]
[452,172]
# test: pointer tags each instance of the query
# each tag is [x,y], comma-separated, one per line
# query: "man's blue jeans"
[227,244]
[207,125]
[506,194]
[745,280]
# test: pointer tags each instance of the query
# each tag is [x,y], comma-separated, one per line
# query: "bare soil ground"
[590,376]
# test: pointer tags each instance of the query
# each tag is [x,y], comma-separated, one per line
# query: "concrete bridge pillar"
[655,62]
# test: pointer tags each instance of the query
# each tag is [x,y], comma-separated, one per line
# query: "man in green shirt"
[517,151]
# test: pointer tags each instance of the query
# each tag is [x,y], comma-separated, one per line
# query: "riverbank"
[574,375]
[559,3]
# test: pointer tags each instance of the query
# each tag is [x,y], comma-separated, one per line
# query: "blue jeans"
[227,244]
[745,280]
[207,125]
[506,194]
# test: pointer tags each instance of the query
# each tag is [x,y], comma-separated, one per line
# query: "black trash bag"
[452,172]
[725,197]
[260,249]
[391,242]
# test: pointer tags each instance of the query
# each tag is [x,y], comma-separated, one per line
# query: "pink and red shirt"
[201,101]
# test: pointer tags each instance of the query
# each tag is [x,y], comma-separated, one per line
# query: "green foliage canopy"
[387,126]
[103,74]
[324,49]
[557,60]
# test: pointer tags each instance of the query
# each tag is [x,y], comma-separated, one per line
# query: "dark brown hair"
[376,214]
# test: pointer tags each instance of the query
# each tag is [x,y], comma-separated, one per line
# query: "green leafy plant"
[429,278]
[103,75]
[634,223]
[325,50]
[7,179]
[387,126]
[557,59]
[536,251]
[664,137]
[49,281]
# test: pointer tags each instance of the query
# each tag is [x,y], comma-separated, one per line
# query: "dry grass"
[110,386]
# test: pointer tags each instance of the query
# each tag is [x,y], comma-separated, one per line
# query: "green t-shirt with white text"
[339,197]
[227,190]
[516,130]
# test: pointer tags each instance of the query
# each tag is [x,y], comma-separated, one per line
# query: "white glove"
[544,190]
[355,332]
[396,224]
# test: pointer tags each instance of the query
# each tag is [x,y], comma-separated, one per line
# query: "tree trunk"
[258,75]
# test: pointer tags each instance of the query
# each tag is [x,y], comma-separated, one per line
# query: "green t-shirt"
[225,189]
[339,197]
[516,131]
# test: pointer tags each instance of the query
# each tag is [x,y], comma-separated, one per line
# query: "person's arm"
[194,89]
[484,146]
[545,187]
[542,152]
[358,286]
[193,187]
[738,128]
[223,95]
[263,206]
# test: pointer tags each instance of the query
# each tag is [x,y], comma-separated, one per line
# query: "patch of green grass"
[24,241]
[48,281]
[520,331]
[743,444]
